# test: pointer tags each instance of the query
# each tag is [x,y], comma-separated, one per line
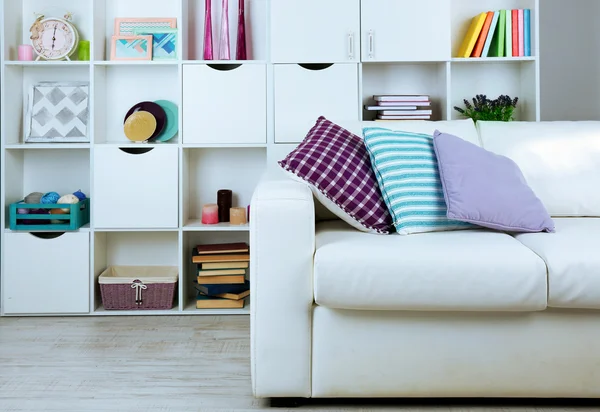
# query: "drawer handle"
[371,44]
[315,66]
[136,150]
[47,235]
[224,67]
[351,46]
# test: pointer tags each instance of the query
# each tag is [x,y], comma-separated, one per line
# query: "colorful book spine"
[527,31]
[483,35]
[515,32]
[508,34]
[490,36]
[470,39]
[521,37]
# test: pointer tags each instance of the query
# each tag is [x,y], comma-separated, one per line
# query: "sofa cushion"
[572,256]
[560,161]
[469,270]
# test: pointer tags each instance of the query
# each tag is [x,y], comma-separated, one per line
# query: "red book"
[515,32]
[483,35]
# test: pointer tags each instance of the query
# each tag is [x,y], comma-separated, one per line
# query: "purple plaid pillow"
[336,165]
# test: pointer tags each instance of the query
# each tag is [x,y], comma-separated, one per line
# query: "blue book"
[527,32]
[490,35]
[223,290]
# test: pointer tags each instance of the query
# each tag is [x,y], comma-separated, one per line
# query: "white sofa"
[339,313]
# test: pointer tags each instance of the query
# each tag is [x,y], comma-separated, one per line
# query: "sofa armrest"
[282,245]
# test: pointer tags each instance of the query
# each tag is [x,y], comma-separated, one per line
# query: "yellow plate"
[140,126]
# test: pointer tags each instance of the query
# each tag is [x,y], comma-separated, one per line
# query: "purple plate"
[156,110]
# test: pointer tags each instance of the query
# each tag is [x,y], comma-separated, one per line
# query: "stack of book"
[401,107]
[222,275]
[501,33]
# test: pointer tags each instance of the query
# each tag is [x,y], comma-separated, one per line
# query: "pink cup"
[25,52]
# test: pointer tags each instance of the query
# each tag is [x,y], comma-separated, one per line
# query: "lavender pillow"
[335,164]
[487,189]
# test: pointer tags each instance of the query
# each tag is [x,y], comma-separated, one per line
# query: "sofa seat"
[469,270]
[572,256]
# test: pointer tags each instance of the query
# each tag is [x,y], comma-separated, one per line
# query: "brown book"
[221,280]
[207,302]
[221,248]
[225,265]
[221,258]
[221,272]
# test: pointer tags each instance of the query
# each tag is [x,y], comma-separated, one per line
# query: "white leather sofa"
[339,313]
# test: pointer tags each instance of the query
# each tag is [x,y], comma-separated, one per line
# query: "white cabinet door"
[315,31]
[302,95]
[46,275]
[212,94]
[405,30]
[136,188]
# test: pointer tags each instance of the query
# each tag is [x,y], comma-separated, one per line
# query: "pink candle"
[25,52]
[210,214]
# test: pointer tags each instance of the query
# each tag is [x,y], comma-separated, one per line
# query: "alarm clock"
[54,38]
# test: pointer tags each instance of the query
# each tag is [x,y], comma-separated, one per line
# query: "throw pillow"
[406,168]
[487,189]
[335,164]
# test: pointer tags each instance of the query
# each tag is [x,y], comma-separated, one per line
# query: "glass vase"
[208,42]
[224,53]
[240,53]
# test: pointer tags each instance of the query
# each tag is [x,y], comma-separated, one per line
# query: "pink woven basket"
[138,287]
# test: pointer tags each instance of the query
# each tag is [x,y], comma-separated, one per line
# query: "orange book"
[515,32]
[483,36]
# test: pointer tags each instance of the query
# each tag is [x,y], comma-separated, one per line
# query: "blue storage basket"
[78,216]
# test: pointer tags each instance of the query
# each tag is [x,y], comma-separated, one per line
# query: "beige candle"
[237,216]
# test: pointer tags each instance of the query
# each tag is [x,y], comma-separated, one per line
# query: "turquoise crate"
[78,216]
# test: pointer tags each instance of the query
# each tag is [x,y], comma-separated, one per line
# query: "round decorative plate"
[154,109]
[140,126]
[172,124]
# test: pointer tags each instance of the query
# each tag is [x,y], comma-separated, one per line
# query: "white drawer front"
[302,95]
[46,275]
[136,190]
[225,106]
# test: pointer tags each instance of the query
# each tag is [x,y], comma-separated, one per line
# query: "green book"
[497,46]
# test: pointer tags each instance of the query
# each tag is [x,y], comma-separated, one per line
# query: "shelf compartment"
[305,92]
[37,170]
[406,78]
[190,270]
[196,225]
[133,249]
[463,12]
[17,82]
[256,29]
[136,188]
[118,88]
[235,91]
[106,11]
[46,273]
[515,80]
[205,171]
[19,15]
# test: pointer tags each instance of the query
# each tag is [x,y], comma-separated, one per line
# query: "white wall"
[569,59]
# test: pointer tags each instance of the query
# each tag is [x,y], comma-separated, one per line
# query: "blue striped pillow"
[406,169]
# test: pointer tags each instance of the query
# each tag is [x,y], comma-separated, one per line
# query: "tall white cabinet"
[307,58]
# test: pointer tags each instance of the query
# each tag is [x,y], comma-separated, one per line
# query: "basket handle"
[138,286]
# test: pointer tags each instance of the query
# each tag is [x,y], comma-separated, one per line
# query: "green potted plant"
[482,108]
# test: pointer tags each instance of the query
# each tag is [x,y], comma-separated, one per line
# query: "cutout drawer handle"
[136,150]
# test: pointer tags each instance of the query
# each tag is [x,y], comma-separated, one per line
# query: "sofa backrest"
[560,161]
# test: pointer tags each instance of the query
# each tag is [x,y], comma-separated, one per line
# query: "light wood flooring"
[156,364]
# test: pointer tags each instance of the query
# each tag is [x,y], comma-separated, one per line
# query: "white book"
[400,98]
[404,117]
[405,112]
[400,108]
[508,37]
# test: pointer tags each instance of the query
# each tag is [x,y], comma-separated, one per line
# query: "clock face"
[56,39]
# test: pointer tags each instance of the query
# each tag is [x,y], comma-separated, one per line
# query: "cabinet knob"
[371,44]
[351,46]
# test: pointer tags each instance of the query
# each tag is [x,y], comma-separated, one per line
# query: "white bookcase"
[306,58]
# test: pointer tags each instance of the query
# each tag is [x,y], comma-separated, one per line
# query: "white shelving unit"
[306,58]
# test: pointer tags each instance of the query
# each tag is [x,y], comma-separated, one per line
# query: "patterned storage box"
[138,287]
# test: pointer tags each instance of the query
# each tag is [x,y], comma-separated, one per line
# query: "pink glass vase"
[240,53]
[224,38]
[208,43]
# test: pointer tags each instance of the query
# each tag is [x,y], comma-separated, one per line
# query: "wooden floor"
[153,364]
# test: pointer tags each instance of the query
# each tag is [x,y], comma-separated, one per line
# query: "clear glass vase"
[208,42]
[224,53]
[240,53]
